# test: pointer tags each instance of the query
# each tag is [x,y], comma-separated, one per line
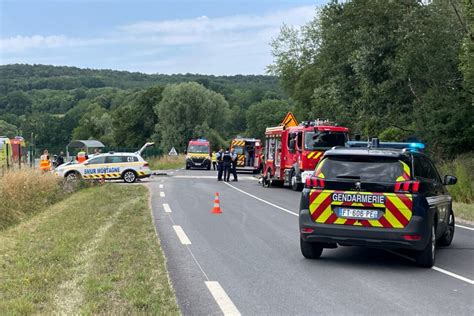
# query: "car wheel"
[295,186]
[426,257]
[129,176]
[310,250]
[187,167]
[267,179]
[73,176]
[449,234]
[209,167]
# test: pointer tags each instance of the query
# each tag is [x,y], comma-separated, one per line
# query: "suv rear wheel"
[449,234]
[310,250]
[426,257]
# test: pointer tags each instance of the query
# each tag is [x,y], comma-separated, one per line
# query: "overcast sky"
[181,36]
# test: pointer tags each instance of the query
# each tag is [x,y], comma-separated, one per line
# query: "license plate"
[357,213]
[197,163]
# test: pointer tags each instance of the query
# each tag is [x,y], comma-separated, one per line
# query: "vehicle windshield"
[363,168]
[199,149]
[314,140]
[239,150]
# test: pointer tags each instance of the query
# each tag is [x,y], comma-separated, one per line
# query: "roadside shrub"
[167,162]
[462,167]
[27,191]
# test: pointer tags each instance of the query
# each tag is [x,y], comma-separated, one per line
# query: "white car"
[126,166]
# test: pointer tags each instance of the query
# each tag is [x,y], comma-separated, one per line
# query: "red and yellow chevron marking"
[314,155]
[238,143]
[240,160]
[398,209]
[318,172]
[406,172]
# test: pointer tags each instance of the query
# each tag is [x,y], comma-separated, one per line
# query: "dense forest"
[394,69]
[120,108]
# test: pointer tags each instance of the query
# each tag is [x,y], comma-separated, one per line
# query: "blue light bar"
[398,145]
[419,146]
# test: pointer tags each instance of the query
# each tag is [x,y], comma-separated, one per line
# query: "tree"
[265,114]
[96,124]
[134,123]
[185,106]
[378,67]
[7,129]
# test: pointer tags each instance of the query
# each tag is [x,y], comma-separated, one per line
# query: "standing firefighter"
[45,163]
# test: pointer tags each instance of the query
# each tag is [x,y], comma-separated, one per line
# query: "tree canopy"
[381,67]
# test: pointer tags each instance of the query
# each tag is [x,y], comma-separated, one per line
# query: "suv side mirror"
[450,180]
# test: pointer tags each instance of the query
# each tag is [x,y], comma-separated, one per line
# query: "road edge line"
[464,227]
[262,200]
[222,299]
[454,275]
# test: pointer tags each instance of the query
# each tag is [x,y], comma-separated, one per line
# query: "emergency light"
[375,143]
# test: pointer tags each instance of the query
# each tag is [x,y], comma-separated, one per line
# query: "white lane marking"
[222,299]
[161,186]
[162,194]
[167,208]
[181,235]
[451,274]
[454,275]
[465,227]
[262,200]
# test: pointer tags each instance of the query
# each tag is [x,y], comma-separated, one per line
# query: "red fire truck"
[249,154]
[292,150]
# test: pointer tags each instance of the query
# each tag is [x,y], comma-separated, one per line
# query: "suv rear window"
[363,168]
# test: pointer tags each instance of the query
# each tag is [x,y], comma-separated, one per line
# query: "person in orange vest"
[45,163]
[81,156]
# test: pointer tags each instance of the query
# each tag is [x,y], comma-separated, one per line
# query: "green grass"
[94,252]
[167,162]
[464,211]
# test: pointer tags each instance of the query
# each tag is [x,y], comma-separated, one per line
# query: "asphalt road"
[247,260]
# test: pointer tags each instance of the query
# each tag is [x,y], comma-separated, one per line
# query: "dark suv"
[376,197]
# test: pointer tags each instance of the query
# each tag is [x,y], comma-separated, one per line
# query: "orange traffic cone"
[216,209]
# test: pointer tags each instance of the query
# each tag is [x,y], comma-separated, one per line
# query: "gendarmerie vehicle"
[386,195]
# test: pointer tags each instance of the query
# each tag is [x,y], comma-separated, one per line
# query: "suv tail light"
[315,182]
[145,165]
[407,186]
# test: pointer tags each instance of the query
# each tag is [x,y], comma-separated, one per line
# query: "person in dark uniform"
[234,164]
[220,164]
[227,160]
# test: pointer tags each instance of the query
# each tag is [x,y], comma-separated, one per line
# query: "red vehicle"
[292,150]
[249,154]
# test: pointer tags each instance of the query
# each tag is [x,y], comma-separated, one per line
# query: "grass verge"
[464,211]
[167,162]
[94,252]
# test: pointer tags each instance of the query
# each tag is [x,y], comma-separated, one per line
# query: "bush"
[462,167]
[27,191]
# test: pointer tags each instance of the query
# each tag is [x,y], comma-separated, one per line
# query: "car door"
[443,199]
[93,167]
[115,165]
